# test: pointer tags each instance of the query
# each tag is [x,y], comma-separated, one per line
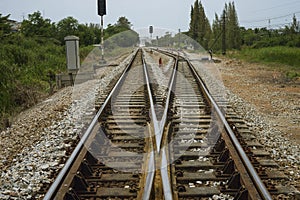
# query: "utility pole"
[224,34]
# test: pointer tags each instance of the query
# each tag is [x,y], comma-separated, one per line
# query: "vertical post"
[179,31]
[224,34]
[73,59]
[71,78]
[102,38]
[102,12]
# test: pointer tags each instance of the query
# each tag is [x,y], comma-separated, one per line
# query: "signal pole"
[102,38]
[102,12]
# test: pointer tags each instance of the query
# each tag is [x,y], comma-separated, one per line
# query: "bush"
[25,64]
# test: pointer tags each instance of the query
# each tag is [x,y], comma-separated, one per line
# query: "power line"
[273,26]
[285,15]
[267,19]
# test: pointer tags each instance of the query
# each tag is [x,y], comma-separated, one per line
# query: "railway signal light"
[150,29]
[101,7]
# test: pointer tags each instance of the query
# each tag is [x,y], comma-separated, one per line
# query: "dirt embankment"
[268,90]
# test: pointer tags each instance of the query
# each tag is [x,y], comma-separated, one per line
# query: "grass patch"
[286,59]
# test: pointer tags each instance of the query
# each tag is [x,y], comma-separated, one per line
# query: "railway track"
[154,139]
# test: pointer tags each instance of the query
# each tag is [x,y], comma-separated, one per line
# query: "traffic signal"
[101,7]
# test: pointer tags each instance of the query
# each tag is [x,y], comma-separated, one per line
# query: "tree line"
[30,55]
[288,36]
[225,31]
[89,34]
[210,36]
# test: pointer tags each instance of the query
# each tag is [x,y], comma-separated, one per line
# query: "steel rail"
[243,156]
[152,109]
[149,177]
[151,162]
[163,168]
[65,170]
[163,121]
[165,176]
[159,130]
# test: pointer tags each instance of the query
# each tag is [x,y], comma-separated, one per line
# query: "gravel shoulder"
[270,105]
[28,125]
[269,93]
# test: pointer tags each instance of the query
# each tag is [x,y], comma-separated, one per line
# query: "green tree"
[248,37]
[67,26]
[120,34]
[36,25]
[295,27]
[215,43]
[205,29]
[232,28]
[4,25]
[96,31]
[200,29]
[86,34]
[195,18]
[124,23]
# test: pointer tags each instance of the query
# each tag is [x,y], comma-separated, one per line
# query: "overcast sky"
[169,14]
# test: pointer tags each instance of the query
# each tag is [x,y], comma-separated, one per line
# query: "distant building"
[15,26]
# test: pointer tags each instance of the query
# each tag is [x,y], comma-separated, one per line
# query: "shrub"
[25,64]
